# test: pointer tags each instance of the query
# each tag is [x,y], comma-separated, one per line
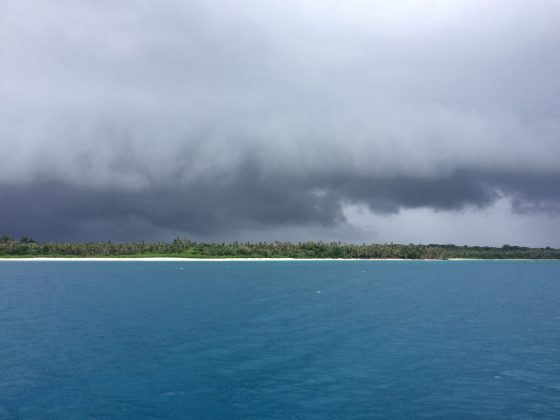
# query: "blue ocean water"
[301,339]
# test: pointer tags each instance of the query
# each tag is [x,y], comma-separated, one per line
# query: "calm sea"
[258,340]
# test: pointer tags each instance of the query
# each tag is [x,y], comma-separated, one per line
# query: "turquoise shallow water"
[333,339]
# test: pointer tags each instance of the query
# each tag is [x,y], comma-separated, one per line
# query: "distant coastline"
[186,250]
[187,259]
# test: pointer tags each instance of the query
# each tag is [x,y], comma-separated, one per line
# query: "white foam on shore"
[186,259]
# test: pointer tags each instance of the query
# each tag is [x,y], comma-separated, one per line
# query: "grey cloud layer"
[126,117]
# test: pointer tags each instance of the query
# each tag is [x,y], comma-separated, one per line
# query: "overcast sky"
[360,121]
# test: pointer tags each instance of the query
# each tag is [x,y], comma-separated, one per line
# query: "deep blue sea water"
[257,340]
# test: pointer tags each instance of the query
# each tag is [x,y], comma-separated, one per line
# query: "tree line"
[27,247]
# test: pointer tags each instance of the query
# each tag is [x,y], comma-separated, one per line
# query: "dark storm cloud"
[60,211]
[143,120]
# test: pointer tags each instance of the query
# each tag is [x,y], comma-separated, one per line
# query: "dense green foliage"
[27,247]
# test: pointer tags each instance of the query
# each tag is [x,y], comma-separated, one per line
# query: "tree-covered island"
[27,247]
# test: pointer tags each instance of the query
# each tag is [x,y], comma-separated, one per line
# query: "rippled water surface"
[332,339]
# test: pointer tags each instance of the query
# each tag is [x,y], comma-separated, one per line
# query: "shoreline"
[186,259]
